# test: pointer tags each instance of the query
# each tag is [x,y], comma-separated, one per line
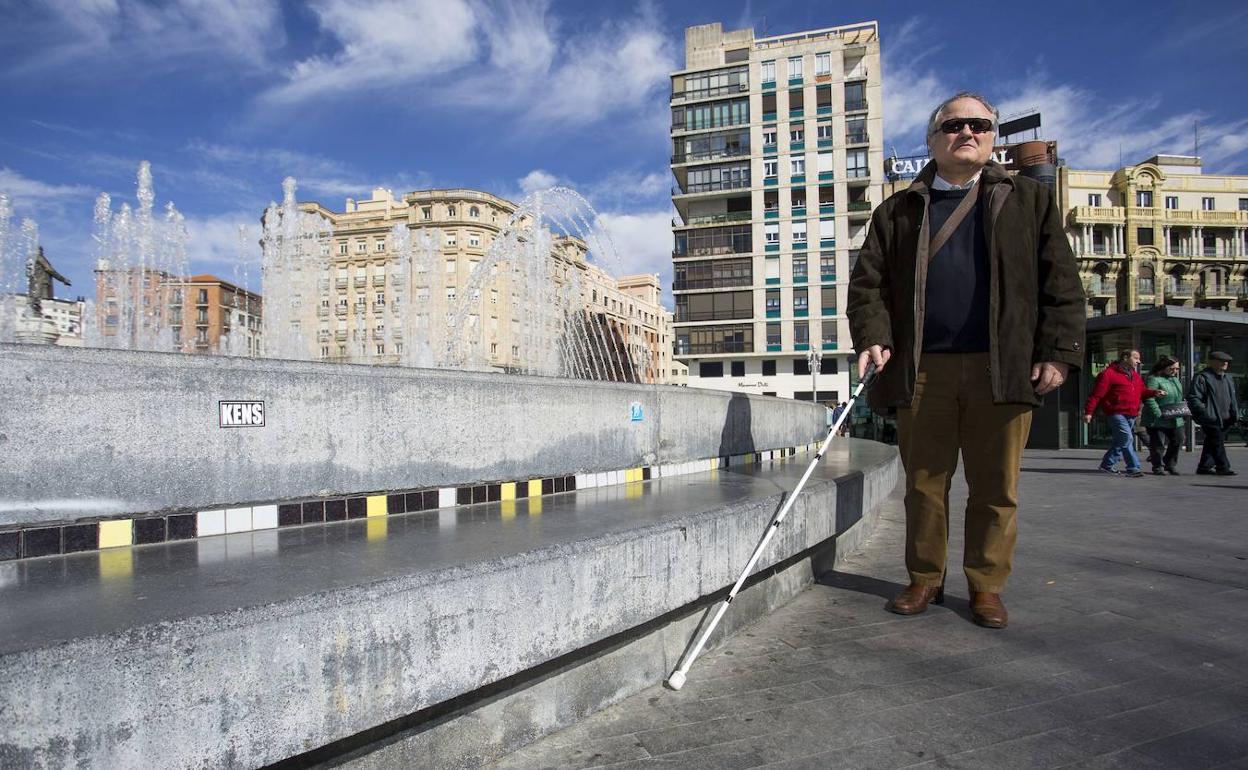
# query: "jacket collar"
[993,173]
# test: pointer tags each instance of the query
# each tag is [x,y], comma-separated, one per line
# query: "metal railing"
[856,137]
[683,157]
[702,187]
[855,105]
[708,93]
[715,219]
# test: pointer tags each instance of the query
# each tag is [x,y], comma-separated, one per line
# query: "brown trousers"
[953,410]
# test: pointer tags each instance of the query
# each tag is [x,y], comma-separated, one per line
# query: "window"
[426,212]
[855,96]
[493,296]
[856,130]
[799,267]
[1094,199]
[769,136]
[1144,198]
[1206,204]
[799,232]
[827,267]
[827,300]
[1144,236]
[797,166]
[474,212]
[381,350]
[450,239]
[773,301]
[738,368]
[769,168]
[801,366]
[1172,202]
[801,300]
[856,164]
[361,247]
[801,334]
[203,296]
[773,338]
[823,131]
[797,135]
[474,239]
[450,266]
[379,246]
[769,368]
[360,300]
[771,233]
[731,338]
[719,306]
[450,293]
[711,369]
[767,72]
[829,340]
[795,67]
[1243,204]
[450,211]
[823,64]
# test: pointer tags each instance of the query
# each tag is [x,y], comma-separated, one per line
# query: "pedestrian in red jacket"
[1119,392]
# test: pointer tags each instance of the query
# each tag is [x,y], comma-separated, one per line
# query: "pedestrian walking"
[840,409]
[1119,392]
[1164,415]
[1215,408]
[967,299]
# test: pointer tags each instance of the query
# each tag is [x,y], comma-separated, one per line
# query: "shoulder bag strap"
[951,224]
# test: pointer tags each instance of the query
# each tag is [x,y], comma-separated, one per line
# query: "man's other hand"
[1049,376]
[1087,419]
[876,355]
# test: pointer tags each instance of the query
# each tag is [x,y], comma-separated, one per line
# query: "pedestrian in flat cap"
[1215,408]
[967,299]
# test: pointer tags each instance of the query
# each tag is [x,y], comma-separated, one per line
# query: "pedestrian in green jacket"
[1163,430]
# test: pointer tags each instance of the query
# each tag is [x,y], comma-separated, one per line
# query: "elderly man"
[1215,408]
[967,299]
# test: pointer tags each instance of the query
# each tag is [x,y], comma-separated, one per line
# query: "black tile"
[289,514]
[417,501]
[645,473]
[493,492]
[317,511]
[81,537]
[10,545]
[560,483]
[479,493]
[463,495]
[44,541]
[522,489]
[335,510]
[548,486]
[396,503]
[180,526]
[429,500]
[149,530]
[357,507]
[569,483]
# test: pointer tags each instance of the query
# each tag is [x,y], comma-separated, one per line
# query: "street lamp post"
[814,357]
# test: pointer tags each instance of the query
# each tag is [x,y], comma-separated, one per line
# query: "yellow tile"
[507,508]
[115,533]
[535,489]
[376,505]
[116,564]
[635,474]
[377,527]
[509,491]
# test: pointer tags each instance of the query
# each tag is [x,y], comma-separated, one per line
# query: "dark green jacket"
[1210,396]
[1151,410]
[1036,302]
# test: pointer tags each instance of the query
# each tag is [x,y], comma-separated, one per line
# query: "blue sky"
[226,97]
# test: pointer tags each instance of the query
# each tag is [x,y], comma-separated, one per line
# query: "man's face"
[1135,359]
[964,149]
[1219,366]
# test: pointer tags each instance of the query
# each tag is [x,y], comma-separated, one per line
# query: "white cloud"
[491,55]
[21,189]
[537,179]
[120,34]
[911,89]
[216,247]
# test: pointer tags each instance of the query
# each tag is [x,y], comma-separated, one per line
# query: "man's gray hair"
[933,123]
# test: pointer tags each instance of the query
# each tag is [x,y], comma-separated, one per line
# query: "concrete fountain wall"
[91,433]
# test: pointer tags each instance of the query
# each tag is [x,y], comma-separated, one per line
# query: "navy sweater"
[956,315]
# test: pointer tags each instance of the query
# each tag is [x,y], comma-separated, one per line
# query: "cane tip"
[676,680]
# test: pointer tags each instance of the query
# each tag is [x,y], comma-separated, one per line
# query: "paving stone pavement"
[1127,648]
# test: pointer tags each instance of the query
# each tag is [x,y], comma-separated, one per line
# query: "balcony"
[855,105]
[323,335]
[1099,288]
[827,209]
[341,335]
[797,179]
[798,113]
[1146,287]
[769,117]
[710,93]
[361,281]
[797,146]
[1093,215]
[379,280]
[856,137]
[823,109]
[711,187]
[322,312]
[1181,289]
[799,245]
[726,282]
[858,176]
[713,155]
[859,209]
[797,81]
[342,283]
[857,72]
[340,310]
[1223,218]
[1219,291]
[714,219]
[771,214]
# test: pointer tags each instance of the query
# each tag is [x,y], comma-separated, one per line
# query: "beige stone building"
[1160,232]
[777,154]
[356,303]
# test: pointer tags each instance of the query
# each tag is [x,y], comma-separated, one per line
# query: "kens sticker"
[240,414]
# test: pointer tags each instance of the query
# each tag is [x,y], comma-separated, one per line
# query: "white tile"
[264,517]
[613,477]
[585,481]
[602,479]
[237,519]
[210,523]
[446,497]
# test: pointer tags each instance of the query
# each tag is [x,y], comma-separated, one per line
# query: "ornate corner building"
[1158,233]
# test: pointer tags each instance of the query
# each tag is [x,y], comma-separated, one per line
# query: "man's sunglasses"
[978,125]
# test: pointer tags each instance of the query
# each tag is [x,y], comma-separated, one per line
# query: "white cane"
[677,679]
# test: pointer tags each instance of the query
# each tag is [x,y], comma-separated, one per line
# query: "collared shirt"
[940,183]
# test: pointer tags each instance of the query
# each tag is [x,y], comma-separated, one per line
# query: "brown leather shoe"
[915,599]
[988,610]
